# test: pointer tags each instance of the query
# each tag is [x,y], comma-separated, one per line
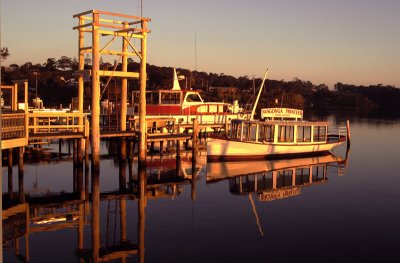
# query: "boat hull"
[221,149]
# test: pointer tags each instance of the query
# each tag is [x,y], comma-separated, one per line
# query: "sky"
[322,41]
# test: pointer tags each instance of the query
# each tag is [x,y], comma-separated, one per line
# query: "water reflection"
[275,179]
[100,217]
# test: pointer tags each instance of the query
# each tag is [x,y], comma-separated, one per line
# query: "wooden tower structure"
[119,36]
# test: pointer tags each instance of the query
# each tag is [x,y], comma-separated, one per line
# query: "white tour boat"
[281,132]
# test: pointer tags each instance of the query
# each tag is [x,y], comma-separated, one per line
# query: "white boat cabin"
[281,126]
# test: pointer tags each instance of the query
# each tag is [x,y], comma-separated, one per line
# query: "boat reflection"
[275,179]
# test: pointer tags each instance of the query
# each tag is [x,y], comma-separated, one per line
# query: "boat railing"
[337,133]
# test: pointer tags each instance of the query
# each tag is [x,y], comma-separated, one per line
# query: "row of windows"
[285,133]
[284,178]
[168,97]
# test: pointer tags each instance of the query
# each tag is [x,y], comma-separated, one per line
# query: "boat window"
[170,98]
[193,98]
[264,181]
[318,173]
[266,133]
[235,130]
[152,98]
[286,134]
[319,133]
[284,178]
[249,132]
[304,134]
[302,176]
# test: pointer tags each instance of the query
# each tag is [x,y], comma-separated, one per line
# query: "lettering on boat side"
[281,113]
[279,194]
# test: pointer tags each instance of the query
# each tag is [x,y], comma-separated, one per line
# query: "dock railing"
[56,122]
[13,126]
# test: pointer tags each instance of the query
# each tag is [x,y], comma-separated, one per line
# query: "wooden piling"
[141,213]
[122,166]
[21,192]
[10,174]
[161,148]
[195,143]
[95,213]
[87,171]
[75,165]
[124,82]
[130,159]
[122,203]
[178,157]
[81,66]
[95,104]
[142,103]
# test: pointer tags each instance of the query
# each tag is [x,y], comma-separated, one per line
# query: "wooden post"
[142,104]
[226,125]
[124,82]
[141,212]
[95,213]
[122,203]
[21,175]
[87,161]
[195,142]
[81,66]
[75,165]
[130,159]
[178,157]
[81,226]
[95,105]
[348,133]
[14,98]
[26,111]
[161,148]
[10,174]
[122,166]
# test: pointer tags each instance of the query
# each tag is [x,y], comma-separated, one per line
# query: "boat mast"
[258,96]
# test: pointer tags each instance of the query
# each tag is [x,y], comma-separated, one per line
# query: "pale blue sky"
[323,41]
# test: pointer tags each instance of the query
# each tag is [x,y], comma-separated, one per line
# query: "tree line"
[57,85]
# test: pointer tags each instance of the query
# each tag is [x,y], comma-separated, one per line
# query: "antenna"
[195,51]
[140,6]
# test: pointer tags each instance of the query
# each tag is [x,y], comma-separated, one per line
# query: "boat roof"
[285,122]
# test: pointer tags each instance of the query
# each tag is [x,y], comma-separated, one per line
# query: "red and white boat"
[186,105]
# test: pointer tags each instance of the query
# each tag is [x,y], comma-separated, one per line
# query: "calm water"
[350,217]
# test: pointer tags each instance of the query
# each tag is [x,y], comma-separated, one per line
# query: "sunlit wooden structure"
[106,28]
[14,116]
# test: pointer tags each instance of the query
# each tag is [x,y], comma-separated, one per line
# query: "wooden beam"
[108,73]
[114,33]
[120,74]
[124,16]
[84,13]
[119,53]
[82,26]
